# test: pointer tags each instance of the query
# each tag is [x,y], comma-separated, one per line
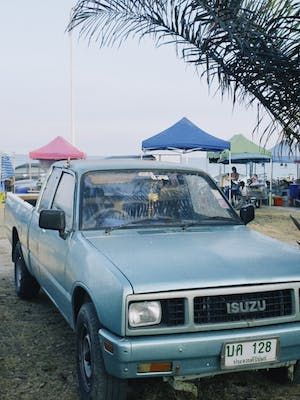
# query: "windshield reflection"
[113,200]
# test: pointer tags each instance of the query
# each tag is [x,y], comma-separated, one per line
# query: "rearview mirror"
[54,220]
[247,213]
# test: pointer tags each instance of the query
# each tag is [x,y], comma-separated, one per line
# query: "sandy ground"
[37,359]
[276,222]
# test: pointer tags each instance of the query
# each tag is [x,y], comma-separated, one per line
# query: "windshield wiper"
[224,219]
[206,220]
[182,224]
[139,221]
[189,224]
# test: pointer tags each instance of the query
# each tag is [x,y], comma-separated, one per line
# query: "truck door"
[53,249]
[43,203]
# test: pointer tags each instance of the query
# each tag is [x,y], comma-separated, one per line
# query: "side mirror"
[247,213]
[54,220]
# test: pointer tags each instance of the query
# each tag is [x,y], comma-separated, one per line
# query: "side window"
[64,198]
[51,184]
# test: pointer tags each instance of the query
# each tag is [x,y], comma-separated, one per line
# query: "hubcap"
[86,356]
[18,276]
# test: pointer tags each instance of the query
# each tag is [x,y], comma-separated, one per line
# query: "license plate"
[250,352]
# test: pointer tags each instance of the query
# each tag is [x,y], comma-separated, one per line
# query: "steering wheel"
[102,214]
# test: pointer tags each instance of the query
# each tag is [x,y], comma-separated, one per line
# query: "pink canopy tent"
[58,149]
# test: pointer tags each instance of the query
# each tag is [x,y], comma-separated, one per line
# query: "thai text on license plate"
[250,352]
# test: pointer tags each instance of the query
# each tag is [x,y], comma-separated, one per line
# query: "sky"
[121,95]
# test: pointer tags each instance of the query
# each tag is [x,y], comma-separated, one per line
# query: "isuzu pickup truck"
[156,273]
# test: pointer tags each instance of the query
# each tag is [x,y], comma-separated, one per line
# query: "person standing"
[234,175]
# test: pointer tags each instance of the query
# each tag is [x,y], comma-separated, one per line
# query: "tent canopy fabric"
[58,149]
[184,136]
[6,167]
[242,152]
[283,153]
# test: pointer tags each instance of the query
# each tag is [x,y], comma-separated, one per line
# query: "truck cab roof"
[83,166]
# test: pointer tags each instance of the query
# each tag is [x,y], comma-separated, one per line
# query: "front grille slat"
[173,312]
[214,309]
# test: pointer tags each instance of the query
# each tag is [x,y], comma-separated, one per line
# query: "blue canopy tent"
[284,154]
[6,171]
[184,137]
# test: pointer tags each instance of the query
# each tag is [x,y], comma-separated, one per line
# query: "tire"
[296,374]
[280,375]
[26,285]
[286,375]
[94,382]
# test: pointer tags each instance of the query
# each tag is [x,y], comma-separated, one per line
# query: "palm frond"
[252,47]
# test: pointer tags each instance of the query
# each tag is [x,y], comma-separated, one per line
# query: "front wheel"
[286,375]
[296,373]
[94,382]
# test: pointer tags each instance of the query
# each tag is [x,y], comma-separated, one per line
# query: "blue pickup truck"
[156,273]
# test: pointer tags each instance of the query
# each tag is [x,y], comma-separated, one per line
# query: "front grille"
[172,312]
[243,306]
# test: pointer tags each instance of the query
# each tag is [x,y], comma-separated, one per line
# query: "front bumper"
[191,353]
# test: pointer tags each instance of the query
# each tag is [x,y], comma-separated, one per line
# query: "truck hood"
[155,260]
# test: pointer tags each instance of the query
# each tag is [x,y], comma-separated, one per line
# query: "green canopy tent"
[242,151]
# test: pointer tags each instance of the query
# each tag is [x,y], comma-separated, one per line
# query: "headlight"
[144,313]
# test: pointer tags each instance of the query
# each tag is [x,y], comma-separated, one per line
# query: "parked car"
[28,171]
[26,185]
[156,273]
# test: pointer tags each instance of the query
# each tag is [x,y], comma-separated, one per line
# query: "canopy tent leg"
[30,172]
[271,182]
[229,162]
[251,169]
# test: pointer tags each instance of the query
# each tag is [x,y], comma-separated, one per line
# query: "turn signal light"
[154,367]
[108,346]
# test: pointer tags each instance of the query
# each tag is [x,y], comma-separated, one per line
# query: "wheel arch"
[80,296]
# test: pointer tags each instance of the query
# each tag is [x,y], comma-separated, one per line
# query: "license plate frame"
[269,359]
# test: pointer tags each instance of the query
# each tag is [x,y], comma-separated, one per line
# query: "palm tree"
[250,47]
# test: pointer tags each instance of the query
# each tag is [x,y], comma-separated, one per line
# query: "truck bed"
[30,198]
[17,216]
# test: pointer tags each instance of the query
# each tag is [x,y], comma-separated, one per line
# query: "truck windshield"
[111,200]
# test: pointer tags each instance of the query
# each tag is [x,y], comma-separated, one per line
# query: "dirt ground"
[37,359]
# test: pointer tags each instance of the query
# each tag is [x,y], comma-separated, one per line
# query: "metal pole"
[72,124]
[30,171]
[1,183]
[14,167]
